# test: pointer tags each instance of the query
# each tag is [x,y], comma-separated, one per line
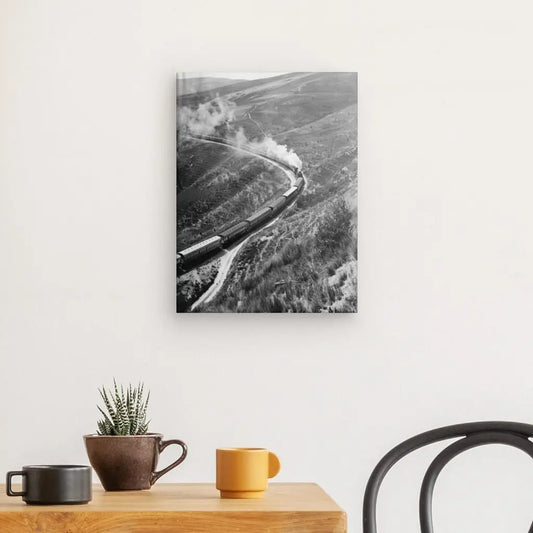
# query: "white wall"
[87,181]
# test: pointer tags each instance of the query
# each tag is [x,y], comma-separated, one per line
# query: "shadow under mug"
[52,484]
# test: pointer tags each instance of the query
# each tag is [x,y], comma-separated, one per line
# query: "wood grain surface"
[187,507]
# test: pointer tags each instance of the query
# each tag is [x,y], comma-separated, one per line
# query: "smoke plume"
[207,117]
[218,112]
[267,146]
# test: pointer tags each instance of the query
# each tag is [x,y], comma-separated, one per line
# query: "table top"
[183,507]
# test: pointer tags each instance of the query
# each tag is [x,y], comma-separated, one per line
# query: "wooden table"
[184,507]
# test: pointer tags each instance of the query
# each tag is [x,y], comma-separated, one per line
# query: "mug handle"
[274,465]
[9,476]
[162,445]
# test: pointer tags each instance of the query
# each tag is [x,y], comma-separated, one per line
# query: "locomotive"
[204,248]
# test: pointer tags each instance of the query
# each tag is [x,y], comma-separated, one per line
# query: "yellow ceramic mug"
[244,472]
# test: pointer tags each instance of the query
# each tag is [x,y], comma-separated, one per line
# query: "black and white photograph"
[266,192]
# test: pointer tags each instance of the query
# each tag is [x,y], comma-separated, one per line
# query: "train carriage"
[234,232]
[259,217]
[199,249]
[277,205]
[291,193]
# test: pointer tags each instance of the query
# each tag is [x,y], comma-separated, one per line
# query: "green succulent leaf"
[124,411]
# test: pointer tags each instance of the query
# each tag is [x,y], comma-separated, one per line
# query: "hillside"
[218,187]
[187,86]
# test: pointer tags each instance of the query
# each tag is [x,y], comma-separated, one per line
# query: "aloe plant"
[126,410]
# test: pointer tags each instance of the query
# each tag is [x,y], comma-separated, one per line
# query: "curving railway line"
[201,250]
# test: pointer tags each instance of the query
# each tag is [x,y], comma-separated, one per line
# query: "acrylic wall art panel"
[267,192]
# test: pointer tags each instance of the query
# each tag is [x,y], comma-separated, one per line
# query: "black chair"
[474,434]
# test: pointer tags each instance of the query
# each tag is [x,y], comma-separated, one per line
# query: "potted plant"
[122,452]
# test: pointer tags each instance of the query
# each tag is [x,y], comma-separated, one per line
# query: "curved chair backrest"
[474,434]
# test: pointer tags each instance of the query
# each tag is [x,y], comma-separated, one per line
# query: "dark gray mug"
[52,484]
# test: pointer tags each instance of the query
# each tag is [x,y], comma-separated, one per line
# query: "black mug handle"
[9,476]
[162,445]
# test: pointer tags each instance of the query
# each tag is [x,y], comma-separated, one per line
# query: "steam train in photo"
[200,250]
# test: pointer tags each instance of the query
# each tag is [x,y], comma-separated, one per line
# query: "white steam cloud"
[208,116]
[269,147]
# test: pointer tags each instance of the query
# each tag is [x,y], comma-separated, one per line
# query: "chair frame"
[473,434]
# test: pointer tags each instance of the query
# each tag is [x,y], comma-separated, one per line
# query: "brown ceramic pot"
[129,462]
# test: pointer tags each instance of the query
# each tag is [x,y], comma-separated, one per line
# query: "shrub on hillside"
[335,230]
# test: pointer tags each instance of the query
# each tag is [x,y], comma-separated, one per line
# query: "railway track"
[223,241]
